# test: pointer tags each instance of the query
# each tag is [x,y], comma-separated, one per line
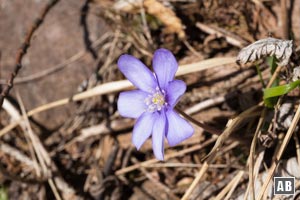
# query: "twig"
[83,22]
[18,155]
[24,47]
[109,57]
[168,156]
[41,154]
[191,48]
[202,171]
[156,182]
[145,24]
[230,38]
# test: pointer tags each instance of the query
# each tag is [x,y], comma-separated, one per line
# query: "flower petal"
[174,91]
[132,103]
[178,128]
[143,128]
[165,66]
[137,73]
[158,136]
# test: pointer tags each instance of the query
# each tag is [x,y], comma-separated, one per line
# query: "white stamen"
[156,100]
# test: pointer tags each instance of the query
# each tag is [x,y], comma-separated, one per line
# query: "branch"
[22,50]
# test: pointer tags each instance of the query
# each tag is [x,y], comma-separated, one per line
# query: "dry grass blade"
[255,172]
[230,185]
[117,86]
[235,184]
[252,154]
[189,191]
[280,152]
[18,155]
[204,65]
[44,161]
[15,116]
[231,126]
[251,158]
[167,156]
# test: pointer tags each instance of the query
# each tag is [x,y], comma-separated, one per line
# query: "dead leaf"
[281,49]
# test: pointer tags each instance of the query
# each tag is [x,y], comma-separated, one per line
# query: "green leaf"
[272,62]
[271,93]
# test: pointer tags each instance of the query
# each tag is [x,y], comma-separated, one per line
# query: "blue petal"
[132,103]
[137,73]
[165,66]
[143,128]
[178,128]
[174,91]
[158,136]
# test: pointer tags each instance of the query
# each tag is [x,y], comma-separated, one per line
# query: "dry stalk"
[189,191]
[251,158]
[252,154]
[40,152]
[230,186]
[280,152]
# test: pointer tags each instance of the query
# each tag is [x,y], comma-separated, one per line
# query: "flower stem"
[206,127]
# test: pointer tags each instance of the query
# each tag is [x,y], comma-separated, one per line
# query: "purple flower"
[154,100]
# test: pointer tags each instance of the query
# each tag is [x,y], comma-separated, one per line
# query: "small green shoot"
[260,75]
[271,101]
[272,61]
[274,92]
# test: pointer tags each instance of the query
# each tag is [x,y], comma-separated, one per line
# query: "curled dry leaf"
[285,168]
[281,49]
[153,7]
[166,16]
[285,115]
[296,73]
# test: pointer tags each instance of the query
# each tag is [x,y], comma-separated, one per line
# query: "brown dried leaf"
[281,49]
[166,16]
[153,7]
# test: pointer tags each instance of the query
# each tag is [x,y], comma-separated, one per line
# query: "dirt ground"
[82,149]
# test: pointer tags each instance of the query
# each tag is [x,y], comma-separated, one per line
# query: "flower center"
[156,100]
